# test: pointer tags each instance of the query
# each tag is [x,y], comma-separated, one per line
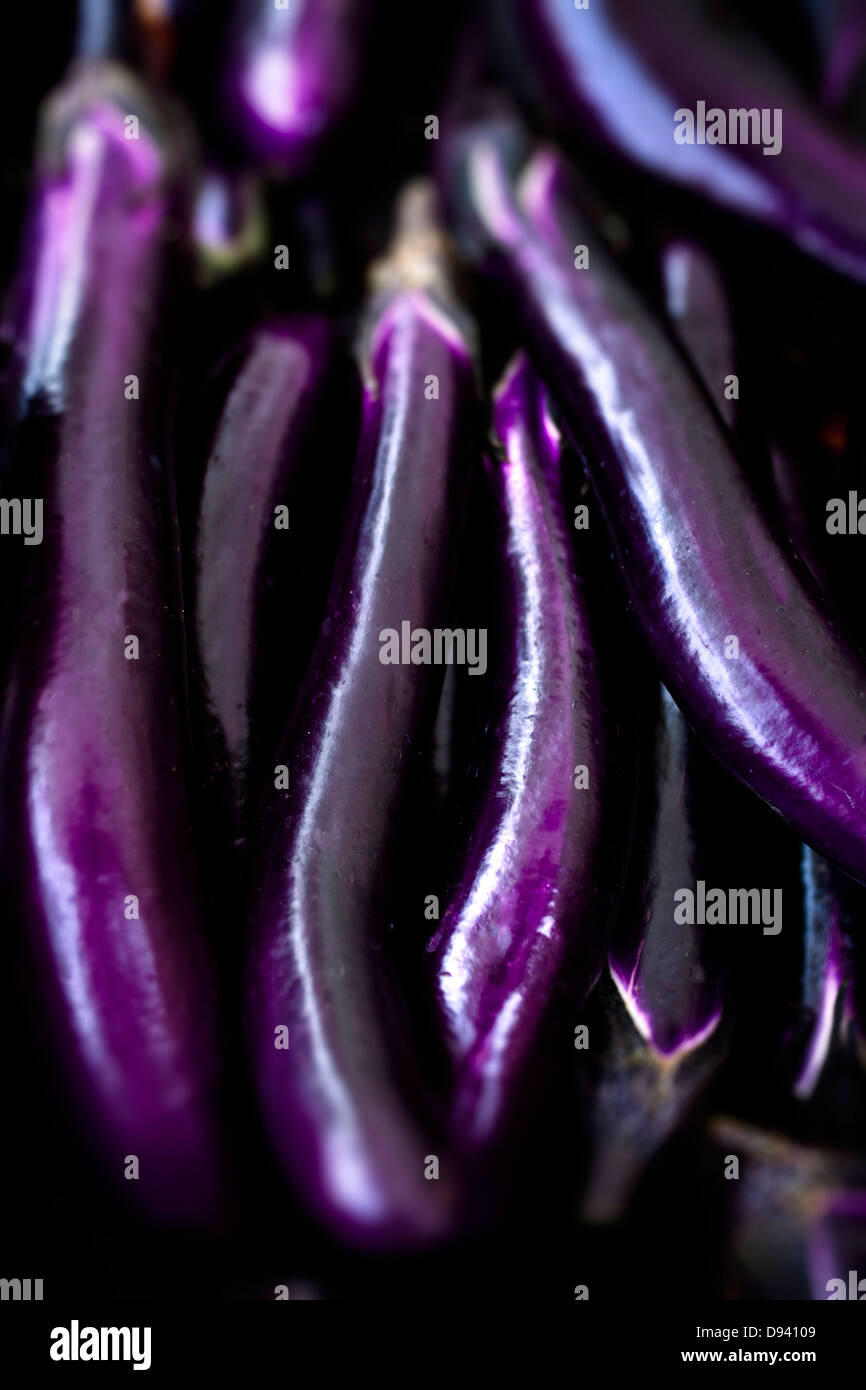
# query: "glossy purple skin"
[290,75]
[344,1118]
[698,309]
[257,451]
[788,717]
[619,70]
[530,886]
[98,787]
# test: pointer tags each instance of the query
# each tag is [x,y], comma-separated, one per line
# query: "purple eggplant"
[96,781]
[664,1041]
[290,75]
[786,1201]
[631,76]
[697,307]
[332,1052]
[530,889]
[741,637]
[265,472]
[835,1033]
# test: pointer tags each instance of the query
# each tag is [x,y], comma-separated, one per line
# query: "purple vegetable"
[785,1206]
[664,1041]
[741,638]
[531,887]
[622,72]
[840,31]
[274,464]
[828,972]
[697,307]
[342,1101]
[97,780]
[229,226]
[290,75]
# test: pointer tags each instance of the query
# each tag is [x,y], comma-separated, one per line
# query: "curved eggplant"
[742,639]
[96,781]
[290,74]
[530,888]
[265,468]
[629,75]
[341,1095]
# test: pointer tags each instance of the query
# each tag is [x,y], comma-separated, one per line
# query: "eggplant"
[784,1210]
[834,1037]
[265,473]
[742,638]
[343,1103]
[697,308]
[290,74]
[627,76]
[96,800]
[530,889]
[839,29]
[664,1001]
[229,225]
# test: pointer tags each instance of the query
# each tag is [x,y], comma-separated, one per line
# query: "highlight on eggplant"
[290,72]
[342,1097]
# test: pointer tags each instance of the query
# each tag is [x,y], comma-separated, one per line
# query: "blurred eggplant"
[785,1200]
[290,74]
[94,778]
[630,76]
[291,404]
[530,892]
[742,639]
[341,1095]
[697,307]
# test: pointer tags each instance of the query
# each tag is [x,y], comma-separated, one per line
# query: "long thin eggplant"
[531,888]
[265,471]
[664,1042]
[341,1095]
[95,787]
[290,73]
[622,73]
[742,639]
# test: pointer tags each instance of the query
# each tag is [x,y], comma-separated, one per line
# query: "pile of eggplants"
[409,673]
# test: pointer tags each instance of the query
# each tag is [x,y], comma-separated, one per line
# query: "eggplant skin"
[290,75]
[620,71]
[529,891]
[343,1102]
[742,637]
[279,443]
[95,789]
